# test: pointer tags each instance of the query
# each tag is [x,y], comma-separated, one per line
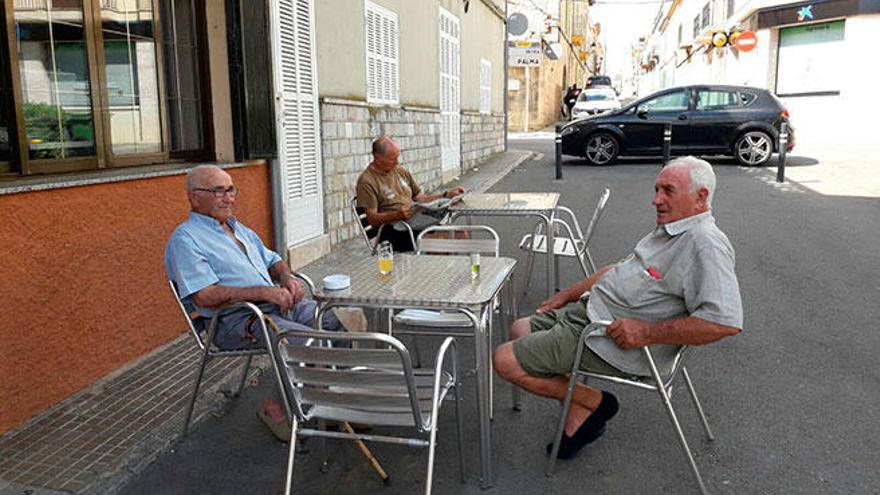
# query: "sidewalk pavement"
[105,435]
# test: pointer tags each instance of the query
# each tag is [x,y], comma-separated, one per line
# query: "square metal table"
[426,282]
[540,205]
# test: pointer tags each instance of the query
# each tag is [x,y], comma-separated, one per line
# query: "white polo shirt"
[684,268]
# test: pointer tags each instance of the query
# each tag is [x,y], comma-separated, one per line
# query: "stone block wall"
[482,135]
[347,132]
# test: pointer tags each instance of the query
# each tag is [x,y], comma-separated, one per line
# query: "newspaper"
[439,204]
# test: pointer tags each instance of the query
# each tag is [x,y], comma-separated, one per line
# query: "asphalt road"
[793,400]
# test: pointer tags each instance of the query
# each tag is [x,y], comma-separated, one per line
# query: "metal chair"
[480,239]
[369,233]
[202,331]
[371,386]
[573,243]
[663,385]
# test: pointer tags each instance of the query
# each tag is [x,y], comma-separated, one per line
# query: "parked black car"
[706,120]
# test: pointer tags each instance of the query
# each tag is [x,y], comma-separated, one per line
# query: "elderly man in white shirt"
[678,287]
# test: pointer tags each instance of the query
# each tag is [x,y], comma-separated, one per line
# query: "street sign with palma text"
[524,54]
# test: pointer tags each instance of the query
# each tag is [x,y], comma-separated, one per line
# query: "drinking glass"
[385,257]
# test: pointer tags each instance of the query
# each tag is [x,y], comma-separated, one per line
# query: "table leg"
[480,351]
[551,247]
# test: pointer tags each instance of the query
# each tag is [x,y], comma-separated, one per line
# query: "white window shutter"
[298,124]
[381,32]
[450,102]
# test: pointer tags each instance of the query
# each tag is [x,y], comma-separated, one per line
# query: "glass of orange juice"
[385,257]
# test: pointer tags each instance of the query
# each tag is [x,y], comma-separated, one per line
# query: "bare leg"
[585,399]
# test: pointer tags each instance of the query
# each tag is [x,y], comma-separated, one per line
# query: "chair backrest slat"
[457,246]
[452,245]
[324,356]
[356,400]
[350,378]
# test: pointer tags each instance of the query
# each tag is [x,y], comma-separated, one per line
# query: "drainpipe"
[506,76]
[279,222]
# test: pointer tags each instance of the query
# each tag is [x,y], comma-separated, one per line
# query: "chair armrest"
[212,326]
[574,220]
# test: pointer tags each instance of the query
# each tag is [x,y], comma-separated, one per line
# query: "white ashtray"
[337,282]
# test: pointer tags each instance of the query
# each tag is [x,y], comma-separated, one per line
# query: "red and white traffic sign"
[747,41]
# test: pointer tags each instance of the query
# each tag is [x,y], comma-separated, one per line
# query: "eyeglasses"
[219,192]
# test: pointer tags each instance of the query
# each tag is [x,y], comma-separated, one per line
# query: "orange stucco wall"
[83,287]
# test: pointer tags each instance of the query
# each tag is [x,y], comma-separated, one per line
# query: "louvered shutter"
[298,123]
[485,86]
[380,29]
[450,102]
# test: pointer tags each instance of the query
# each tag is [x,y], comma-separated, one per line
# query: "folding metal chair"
[369,233]
[663,385]
[203,332]
[568,242]
[370,386]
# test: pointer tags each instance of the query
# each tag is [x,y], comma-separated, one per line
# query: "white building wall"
[818,120]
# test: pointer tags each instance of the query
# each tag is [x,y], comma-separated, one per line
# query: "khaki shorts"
[551,347]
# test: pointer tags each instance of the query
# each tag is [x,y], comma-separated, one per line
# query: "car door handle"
[683,117]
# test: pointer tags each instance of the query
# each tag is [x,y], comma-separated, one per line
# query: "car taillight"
[785,114]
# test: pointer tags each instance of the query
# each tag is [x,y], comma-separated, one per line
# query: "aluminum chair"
[568,242]
[369,233]
[663,385]
[371,386]
[480,239]
[202,331]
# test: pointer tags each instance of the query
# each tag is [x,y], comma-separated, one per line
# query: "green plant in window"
[46,126]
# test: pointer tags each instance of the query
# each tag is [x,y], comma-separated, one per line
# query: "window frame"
[104,158]
[737,103]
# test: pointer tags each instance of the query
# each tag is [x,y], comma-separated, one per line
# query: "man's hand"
[280,297]
[295,288]
[557,301]
[629,334]
[454,192]
[405,212]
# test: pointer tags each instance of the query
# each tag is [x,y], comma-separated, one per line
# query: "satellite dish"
[517,24]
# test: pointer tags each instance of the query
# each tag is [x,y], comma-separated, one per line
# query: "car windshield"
[595,96]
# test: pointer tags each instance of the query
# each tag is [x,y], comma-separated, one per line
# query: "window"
[485,86]
[707,16]
[809,59]
[716,99]
[111,95]
[676,101]
[747,98]
[382,66]
[731,8]
[696,26]
[7,136]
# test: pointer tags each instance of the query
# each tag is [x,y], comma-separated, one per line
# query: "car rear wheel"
[601,149]
[753,148]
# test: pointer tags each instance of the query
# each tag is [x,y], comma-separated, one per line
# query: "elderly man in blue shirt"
[215,260]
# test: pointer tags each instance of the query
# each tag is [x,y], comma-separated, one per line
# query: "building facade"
[808,53]
[106,104]
[571,52]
